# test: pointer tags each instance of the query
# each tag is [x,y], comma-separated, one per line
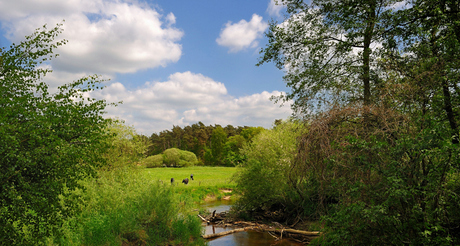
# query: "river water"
[248,238]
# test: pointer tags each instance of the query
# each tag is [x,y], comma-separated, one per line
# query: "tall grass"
[125,208]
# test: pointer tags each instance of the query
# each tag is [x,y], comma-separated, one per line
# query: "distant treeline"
[213,145]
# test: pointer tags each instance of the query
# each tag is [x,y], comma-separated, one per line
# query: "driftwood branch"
[280,231]
[224,233]
[204,219]
[305,233]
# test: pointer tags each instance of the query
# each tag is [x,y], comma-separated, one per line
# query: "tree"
[232,155]
[218,139]
[426,61]
[328,49]
[48,142]
[126,146]
[263,180]
[250,132]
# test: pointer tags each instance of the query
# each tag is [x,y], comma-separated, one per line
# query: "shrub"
[153,161]
[388,177]
[187,159]
[124,208]
[171,157]
[262,181]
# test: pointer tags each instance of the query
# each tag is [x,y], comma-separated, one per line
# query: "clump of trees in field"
[171,158]
[377,83]
[212,145]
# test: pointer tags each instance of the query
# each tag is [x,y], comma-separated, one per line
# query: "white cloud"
[242,35]
[274,9]
[104,36]
[186,98]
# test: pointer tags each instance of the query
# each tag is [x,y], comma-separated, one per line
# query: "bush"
[126,146]
[388,177]
[262,181]
[153,161]
[172,158]
[187,159]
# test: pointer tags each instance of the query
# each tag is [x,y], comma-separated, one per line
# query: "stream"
[248,238]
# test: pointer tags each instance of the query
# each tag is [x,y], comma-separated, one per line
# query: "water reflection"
[250,238]
[219,206]
[240,238]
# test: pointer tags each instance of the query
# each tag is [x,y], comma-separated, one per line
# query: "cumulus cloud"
[242,35]
[104,36]
[186,98]
[274,8]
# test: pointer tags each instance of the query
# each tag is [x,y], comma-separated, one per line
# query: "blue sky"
[172,62]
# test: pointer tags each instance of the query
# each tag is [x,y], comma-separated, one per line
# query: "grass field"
[219,177]
[208,181]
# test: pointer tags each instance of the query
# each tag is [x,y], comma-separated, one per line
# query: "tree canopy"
[48,142]
[378,163]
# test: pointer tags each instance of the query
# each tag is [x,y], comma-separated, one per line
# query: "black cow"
[191,176]
[172,180]
[185,181]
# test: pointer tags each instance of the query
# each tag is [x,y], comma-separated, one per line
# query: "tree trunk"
[368,34]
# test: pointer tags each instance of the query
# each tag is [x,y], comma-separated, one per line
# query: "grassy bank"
[141,207]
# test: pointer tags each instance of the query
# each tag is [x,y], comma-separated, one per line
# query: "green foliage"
[126,146]
[48,142]
[263,178]
[187,159]
[195,138]
[250,132]
[172,158]
[212,145]
[218,139]
[325,48]
[153,161]
[387,185]
[232,153]
[124,207]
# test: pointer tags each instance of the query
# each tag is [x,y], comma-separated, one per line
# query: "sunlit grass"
[140,206]
[126,208]
[208,181]
[211,177]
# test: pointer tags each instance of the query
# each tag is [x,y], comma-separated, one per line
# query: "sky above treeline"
[171,62]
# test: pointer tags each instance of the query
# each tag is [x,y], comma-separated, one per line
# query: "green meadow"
[218,177]
[141,207]
[208,181]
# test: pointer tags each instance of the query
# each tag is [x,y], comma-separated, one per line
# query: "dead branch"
[224,233]
[259,228]
[204,219]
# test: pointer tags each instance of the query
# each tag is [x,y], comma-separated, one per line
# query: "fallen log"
[280,231]
[224,233]
[305,233]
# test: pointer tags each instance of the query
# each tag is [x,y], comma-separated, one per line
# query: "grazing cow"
[191,176]
[185,181]
[172,180]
